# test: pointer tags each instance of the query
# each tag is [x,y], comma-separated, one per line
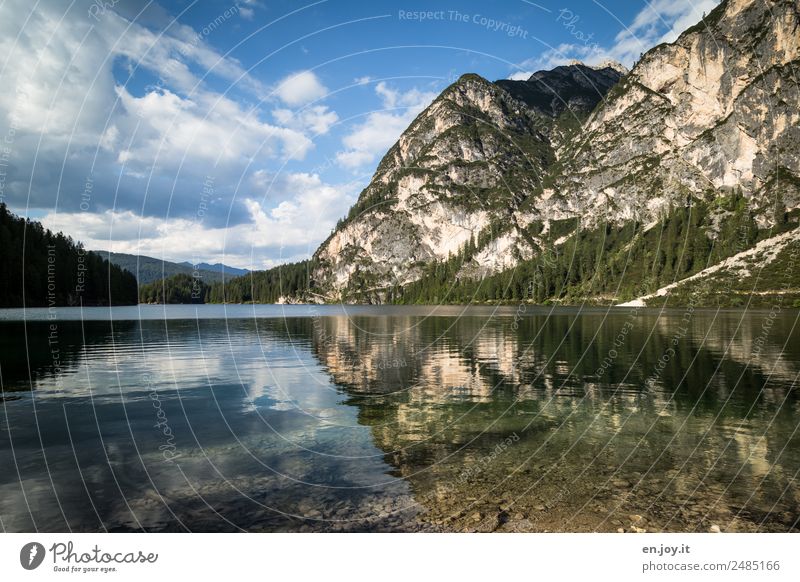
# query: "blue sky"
[242,131]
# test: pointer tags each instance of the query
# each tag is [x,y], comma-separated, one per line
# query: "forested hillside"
[287,282]
[150,269]
[39,268]
[612,264]
[180,288]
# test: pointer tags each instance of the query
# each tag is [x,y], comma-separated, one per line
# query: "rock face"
[459,174]
[488,169]
[575,87]
[714,111]
[452,175]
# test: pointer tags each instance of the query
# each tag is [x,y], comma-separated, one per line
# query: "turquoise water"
[358,418]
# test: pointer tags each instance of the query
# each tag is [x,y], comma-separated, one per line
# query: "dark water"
[394,419]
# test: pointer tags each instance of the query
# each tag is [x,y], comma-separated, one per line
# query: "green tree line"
[622,262]
[290,281]
[180,288]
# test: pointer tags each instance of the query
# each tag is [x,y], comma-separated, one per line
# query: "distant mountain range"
[149,269]
[217,268]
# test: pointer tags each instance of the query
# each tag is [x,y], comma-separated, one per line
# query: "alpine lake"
[380,418]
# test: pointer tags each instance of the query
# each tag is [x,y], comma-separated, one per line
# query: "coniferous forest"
[289,281]
[39,268]
[180,288]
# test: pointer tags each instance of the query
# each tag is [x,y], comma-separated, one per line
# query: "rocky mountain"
[458,177]
[576,87]
[587,183]
[715,111]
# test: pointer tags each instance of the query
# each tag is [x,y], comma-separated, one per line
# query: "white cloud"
[317,119]
[360,157]
[206,129]
[683,19]
[127,232]
[310,211]
[110,138]
[660,21]
[297,212]
[145,150]
[520,75]
[381,129]
[170,54]
[300,88]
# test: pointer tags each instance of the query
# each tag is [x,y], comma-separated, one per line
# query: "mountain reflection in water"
[391,419]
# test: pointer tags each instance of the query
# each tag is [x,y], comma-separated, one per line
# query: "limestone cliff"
[500,173]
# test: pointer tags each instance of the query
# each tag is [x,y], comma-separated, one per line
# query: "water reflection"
[554,421]
[678,420]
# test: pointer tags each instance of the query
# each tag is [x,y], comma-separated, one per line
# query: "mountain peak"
[605,64]
[612,64]
[471,77]
[577,87]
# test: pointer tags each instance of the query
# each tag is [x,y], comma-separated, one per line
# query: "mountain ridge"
[458,173]
[150,269]
[217,268]
[582,184]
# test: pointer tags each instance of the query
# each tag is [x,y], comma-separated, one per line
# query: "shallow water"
[303,418]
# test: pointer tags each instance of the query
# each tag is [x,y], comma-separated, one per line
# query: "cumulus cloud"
[246,8]
[296,212]
[381,129]
[300,88]
[206,128]
[317,119]
[130,153]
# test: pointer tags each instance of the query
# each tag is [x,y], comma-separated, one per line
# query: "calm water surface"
[301,418]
